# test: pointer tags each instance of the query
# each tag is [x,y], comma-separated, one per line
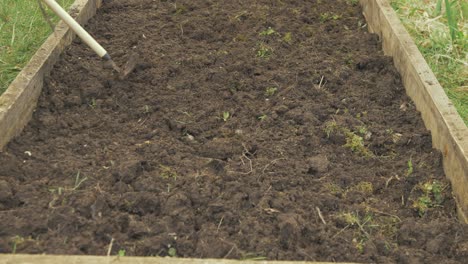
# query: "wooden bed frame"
[449,133]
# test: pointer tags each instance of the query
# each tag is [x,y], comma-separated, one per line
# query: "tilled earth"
[249,129]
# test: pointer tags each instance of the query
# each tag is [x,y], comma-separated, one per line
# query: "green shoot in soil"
[330,127]
[78,181]
[262,117]
[327,16]
[356,144]
[93,103]
[172,252]
[288,37]
[410,168]
[264,51]
[364,225]
[267,32]
[16,240]
[179,9]
[366,188]
[368,223]
[362,129]
[226,116]
[121,253]
[333,188]
[431,196]
[270,91]
[167,172]
[353,141]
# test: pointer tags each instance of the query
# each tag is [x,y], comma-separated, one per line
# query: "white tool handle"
[90,41]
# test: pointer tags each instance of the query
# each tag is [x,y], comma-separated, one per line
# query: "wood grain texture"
[52,259]
[449,132]
[18,102]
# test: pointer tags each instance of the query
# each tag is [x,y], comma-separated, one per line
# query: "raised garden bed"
[273,129]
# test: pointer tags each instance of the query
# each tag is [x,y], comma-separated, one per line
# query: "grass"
[168,173]
[288,38]
[264,51]
[267,32]
[432,196]
[22,31]
[329,16]
[270,91]
[410,168]
[441,35]
[79,180]
[364,188]
[354,141]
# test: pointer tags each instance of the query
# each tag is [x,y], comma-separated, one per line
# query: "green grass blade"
[438,9]
[451,19]
[464,9]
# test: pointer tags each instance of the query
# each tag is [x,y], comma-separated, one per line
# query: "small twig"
[219,225]
[110,247]
[181,29]
[78,182]
[341,231]
[383,213]
[387,182]
[285,91]
[243,163]
[250,163]
[230,251]
[320,83]
[320,215]
[269,188]
[271,163]
[361,226]
[98,188]
[242,160]
[246,151]
[234,246]
[51,203]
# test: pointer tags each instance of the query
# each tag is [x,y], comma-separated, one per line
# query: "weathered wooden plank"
[51,259]
[19,100]
[449,133]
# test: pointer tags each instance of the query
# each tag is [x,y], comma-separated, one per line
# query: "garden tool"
[91,42]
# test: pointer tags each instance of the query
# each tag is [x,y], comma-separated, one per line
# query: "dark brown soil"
[322,157]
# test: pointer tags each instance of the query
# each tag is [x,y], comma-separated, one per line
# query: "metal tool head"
[129,66]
